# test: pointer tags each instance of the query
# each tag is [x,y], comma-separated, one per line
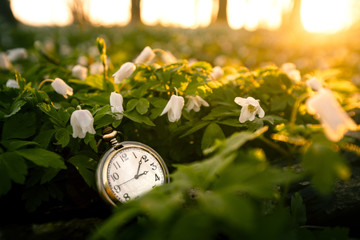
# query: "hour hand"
[144,173]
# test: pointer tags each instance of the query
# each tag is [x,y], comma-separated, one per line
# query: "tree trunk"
[6,15]
[222,14]
[135,12]
[292,20]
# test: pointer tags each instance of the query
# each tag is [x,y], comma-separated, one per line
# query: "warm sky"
[316,15]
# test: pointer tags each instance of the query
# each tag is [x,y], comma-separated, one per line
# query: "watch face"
[130,170]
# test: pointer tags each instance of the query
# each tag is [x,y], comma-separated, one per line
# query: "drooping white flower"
[290,70]
[17,54]
[11,83]
[82,122]
[116,103]
[194,103]
[314,83]
[125,71]
[82,60]
[174,108]
[80,72]
[250,108]
[217,73]
[333,118]
[145,56]
[168,58]
[62,88]
[96,68]
[4,62]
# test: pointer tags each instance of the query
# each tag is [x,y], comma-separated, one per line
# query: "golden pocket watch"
[128,170]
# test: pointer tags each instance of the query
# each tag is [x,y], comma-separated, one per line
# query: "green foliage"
[229,180]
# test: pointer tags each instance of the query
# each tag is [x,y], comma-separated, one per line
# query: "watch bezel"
[101,171]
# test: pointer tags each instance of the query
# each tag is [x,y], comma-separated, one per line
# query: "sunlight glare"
[42,12]
[185,13]
[109,12]
[326,16]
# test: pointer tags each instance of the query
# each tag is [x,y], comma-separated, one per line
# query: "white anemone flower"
[82,60]
[17,54]
[62,88]
[250,108]
[145,56]
[168,58]
[82,122]
[116,103]
[80,72]
[96,68]
[125,71]
[290,70]
[4,62]
[217,73]
[333,118]
[314,83]
[174,108]
[195,103]
[11,83]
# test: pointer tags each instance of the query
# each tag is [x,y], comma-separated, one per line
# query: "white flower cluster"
[10,56]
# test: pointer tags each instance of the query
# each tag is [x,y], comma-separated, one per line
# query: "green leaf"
[298,209]
[12,145]
[142,106]
[131,104]
[212,132]
[15,107]
[5,181]
[42,157]
[21,125]
[324,164]
[62,135]
[44,137]
[86,167]
[199,125]
[15,166]
[136,117]
[49,174]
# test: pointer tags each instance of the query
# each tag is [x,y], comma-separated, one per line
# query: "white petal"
[125,71]
[240,101]
[11,83]
[260,112]
[61,87]
[146,55]
[314,83]
[245,115]
[201,101]
[80,72]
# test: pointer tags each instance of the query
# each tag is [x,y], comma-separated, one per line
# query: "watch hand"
[136,175]
[126,181]
[144,173]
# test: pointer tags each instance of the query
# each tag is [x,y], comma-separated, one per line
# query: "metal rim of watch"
[101,179]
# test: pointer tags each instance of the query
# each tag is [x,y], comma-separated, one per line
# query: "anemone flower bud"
[174,108]
[195,103]
[168,58]
[290,70]
[17,54]
[96,68]
[145,56]
[62,88]
[116,103]
[82,122]
[217,73]
[80,72]
[4,62]
[333,118]
[82,60]
[11,83]
[125,71]
[250,107]
[314,83]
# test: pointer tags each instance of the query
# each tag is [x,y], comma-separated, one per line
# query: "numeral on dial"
[126,196]
[156,177]
[117,188]
[153,166]
[115,176]
[116,165]
[144,157]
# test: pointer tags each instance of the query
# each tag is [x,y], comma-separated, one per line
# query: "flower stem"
[43,82]
[274,145]
[295,109]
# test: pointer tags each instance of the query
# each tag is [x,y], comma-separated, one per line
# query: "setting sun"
[326,16]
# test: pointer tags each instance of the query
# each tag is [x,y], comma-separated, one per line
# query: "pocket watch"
[128,170]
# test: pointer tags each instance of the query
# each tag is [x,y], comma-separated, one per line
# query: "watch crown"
[110,134]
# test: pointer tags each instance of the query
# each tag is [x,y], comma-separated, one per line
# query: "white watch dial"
[133,171]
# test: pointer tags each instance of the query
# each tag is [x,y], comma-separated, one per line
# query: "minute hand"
[137,172]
